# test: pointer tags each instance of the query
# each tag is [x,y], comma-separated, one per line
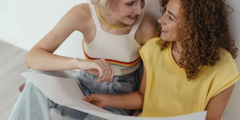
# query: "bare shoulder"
[148,22]
[147,30]
[81,9]
[79,14]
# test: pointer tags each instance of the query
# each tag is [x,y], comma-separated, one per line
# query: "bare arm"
[128,101]
[218,103]
[147,30]
[41,56]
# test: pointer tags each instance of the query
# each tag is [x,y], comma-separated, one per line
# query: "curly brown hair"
[205,31]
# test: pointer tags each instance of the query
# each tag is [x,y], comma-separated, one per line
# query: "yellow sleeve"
[226,74]
[143,54]
[147,50]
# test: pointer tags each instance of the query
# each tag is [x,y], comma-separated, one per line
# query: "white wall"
[23,23]
[232,111]
[153,8]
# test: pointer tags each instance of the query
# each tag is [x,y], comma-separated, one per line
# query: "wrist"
[107,102]
[76,63]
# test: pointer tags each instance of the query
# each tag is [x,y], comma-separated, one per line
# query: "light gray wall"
[23,23]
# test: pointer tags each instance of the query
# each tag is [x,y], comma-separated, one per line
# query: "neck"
[176,51]
[178,46]
[109,18]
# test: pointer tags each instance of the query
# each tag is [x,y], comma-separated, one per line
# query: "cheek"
[123,12]
[119,13]
[175,31]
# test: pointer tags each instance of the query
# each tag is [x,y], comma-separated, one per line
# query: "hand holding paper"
[66,92]
[97,99]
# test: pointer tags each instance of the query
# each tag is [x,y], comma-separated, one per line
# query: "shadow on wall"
[232,111]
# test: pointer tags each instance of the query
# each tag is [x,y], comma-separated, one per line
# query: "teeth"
[132,16]
[164,30]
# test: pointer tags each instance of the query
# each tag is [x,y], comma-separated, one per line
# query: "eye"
[170,18]
[130,4]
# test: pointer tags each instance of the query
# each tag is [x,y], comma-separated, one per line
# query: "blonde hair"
[102,4]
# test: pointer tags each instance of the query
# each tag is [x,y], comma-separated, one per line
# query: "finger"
[112,71]
[93,72]
[88,98]
[101,81]
[100,69]
[97,104]
[105,71]
[108,70]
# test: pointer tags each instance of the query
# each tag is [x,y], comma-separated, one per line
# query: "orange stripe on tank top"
[113,62]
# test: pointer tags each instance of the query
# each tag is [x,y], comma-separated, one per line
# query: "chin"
[129,23]
[163,38]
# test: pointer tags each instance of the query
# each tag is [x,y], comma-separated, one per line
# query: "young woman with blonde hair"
[114,31]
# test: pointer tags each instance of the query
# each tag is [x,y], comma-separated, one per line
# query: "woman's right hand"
[99,67]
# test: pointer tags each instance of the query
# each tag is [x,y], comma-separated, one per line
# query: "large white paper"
[66,92]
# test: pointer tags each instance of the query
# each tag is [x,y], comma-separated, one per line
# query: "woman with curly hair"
[189,67]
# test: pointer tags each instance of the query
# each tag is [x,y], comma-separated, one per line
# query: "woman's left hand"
[98,100]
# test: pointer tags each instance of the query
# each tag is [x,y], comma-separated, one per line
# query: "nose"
[161,20]
[138,9]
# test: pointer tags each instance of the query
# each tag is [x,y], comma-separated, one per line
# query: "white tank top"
[121,51]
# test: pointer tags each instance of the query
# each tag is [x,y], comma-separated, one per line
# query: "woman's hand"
[98,100]
[99,67]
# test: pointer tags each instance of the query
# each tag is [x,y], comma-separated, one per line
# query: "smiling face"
[127,11]
[170,21]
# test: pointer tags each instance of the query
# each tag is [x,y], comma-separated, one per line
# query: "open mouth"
[164,30]
[132,17]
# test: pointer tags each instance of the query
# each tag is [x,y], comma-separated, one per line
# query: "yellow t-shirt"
[169,93]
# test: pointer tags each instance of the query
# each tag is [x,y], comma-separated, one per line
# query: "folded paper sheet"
[66,92]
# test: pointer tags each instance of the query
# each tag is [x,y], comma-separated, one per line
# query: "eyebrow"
[172,14]
[132,1]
